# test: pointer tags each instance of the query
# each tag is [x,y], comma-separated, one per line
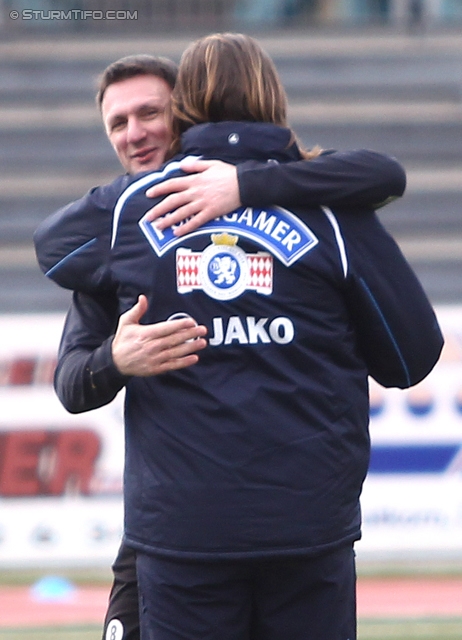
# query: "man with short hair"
[100,351]
[133,95]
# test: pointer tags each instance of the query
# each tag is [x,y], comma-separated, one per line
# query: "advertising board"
[61,474]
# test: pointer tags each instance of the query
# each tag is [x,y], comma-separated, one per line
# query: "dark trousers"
[295,598]
[122,620]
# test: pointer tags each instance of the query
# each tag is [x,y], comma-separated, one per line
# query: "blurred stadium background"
[359,73]
[380,74]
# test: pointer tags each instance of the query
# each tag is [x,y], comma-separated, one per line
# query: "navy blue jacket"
[350,180]
[86,377]
[261,448]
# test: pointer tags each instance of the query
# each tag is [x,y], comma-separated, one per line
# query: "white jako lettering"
[217,332]
[282,330]
[235,331]
[257,330]
[251,331]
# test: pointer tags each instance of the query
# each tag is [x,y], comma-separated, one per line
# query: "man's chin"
[138,166]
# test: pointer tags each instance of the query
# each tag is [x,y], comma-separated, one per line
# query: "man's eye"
[151,113]
[118,125]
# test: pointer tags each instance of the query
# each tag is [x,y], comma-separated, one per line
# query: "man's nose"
[135,130]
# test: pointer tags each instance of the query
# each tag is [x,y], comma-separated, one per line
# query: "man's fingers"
[171,206]
[211,190]
[180,216]
[145,350]
[185,341]
[169,186]
[197,166]
[191,224]
[180,363]
[176,185]
[174,333]
[182,349]
[173,356]
[134,315]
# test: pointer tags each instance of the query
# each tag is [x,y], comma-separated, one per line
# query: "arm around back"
[86,377]
[343,179]
[395,324]
[72,244]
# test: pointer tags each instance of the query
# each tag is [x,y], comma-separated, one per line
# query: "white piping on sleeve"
[338,237]
[145,181]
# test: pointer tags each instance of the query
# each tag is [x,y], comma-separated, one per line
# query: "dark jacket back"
[262,447]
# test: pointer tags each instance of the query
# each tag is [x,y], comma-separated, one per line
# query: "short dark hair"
[136,65]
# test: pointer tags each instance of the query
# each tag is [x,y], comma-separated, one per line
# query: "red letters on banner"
[47,463]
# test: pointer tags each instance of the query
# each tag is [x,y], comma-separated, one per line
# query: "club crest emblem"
[224,270]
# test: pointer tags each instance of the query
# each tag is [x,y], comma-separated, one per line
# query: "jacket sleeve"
[72,244]
[86,377]
[345,179]
[396,327]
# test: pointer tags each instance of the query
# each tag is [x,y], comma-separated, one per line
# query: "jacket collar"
[237,141]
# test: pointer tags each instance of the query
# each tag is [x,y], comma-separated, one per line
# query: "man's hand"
[210,192]
[147,350]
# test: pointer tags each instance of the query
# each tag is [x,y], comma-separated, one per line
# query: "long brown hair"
[226,76]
